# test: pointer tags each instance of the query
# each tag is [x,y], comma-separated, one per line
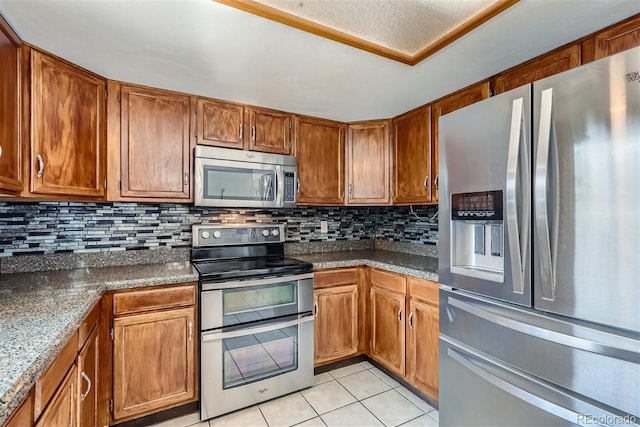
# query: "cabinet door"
[88,369]
[153,362]
[368,163]
[617,38]
[539,68]
[10,117]
[67,129]
[336,323]
[387,329]
[319,148]
[412,157]
[62,409]
[270,131]
[446,105]
[422,349]
[220,124]
[154,143]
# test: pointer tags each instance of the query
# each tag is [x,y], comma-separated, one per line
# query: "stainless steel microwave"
[244,179]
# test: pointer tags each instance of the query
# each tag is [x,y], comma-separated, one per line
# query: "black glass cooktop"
[239,269]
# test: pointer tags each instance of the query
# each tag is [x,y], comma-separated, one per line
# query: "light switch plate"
[324,227]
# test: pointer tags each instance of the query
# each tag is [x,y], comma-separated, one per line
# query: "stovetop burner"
[239,252]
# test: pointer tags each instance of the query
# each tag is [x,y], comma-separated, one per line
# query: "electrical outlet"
[324,227]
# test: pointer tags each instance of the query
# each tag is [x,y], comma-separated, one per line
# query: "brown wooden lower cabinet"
[388,320]
[337,323]
[403,323]
[88,372]
[154,352]
[62,409]
[422,336]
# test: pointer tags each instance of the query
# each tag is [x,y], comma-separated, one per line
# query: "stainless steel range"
[256,320]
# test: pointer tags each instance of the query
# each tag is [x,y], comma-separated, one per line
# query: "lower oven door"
[251,365]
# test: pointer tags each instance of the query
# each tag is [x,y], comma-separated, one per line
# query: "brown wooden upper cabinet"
[154,144]
[617,38]
[539,68]
[270,130]
[67,129]
[446,105]
[220,124]
[319,147]
[412,157]
[10,117]
[368,163]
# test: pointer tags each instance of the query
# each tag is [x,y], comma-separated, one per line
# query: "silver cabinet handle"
[400,314]
[297,185]
[517,166]
[253,133]
[40,165]
[411,320]
[190,327]
[186,179]
[435,181]
[426,182]
[315,306]
[241,132]
[88,380]
[0,150]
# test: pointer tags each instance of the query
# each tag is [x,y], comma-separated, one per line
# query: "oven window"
[255,357]
[256,303]
[226,183]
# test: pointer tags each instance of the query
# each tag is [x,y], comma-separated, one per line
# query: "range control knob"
[217,234]
[275,232]
[204,234]
[265,232]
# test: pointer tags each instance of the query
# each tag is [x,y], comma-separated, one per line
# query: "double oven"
[256,317]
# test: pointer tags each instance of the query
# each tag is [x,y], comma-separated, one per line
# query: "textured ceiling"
[210,49]
[406,26]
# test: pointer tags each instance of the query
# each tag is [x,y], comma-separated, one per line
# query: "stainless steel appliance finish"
[256,317]
[237,178]
[548,331]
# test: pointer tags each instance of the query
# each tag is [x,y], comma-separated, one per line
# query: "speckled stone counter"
[40,311]
[424,267]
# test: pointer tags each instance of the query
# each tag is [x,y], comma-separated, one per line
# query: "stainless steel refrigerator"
[540,252]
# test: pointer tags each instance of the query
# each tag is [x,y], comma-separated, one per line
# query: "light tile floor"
[355,395]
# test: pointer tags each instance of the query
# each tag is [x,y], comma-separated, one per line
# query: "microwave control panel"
[289,187]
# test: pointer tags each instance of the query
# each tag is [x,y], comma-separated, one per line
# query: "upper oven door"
[233,303]
[226,183]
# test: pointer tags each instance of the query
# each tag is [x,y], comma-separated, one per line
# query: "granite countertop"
[40,311]
[424,267]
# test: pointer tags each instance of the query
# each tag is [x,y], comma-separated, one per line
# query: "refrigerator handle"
[546,177]
[534,393]
[518,196]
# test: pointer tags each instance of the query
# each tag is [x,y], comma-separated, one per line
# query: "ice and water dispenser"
[477,235]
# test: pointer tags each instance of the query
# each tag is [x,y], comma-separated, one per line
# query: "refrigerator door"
[484,209]
[598,363]
[587,192]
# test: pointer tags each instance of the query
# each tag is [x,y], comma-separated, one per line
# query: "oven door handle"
[217,336]
[248,283]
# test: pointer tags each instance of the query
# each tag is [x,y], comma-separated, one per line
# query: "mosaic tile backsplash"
[69,227]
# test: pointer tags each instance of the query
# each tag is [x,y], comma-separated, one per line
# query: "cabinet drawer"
[154,299]
[88,324]
[424,290]
[47,384]
[342,276]
[390,281]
